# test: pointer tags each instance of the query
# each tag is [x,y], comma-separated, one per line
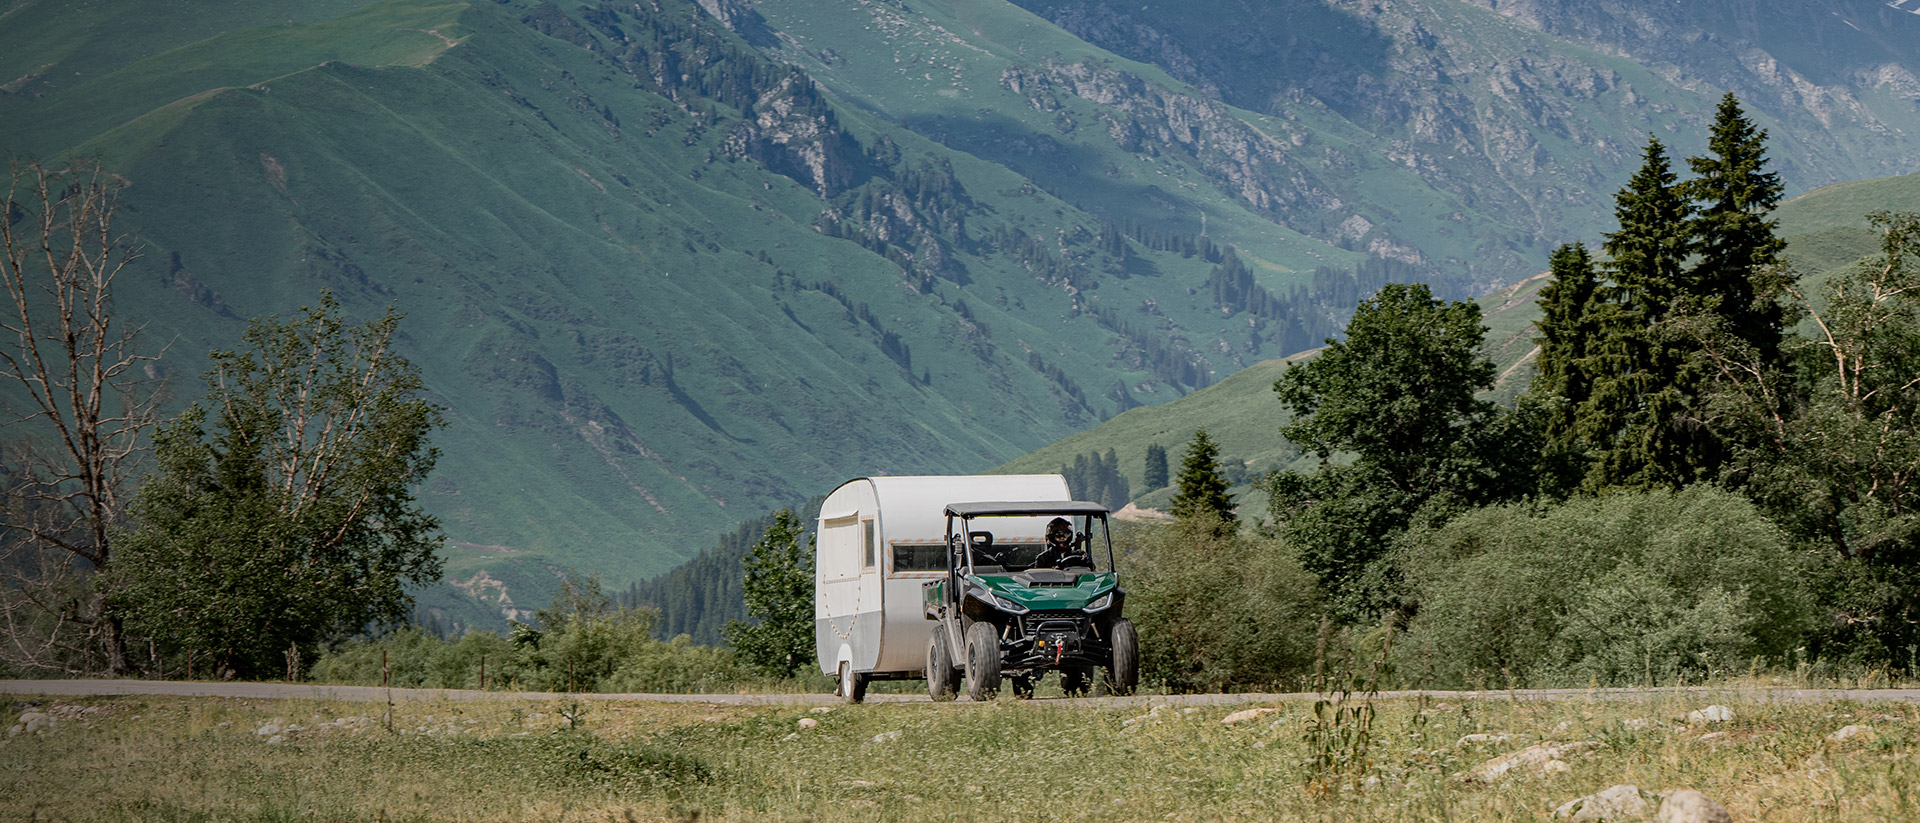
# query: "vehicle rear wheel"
[1076,682]
[1125,669]
[943,678]
[1023,685]
[983,661]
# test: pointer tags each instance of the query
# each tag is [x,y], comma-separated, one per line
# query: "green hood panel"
[1050,598]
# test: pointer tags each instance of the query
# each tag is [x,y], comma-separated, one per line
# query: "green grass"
[143,758]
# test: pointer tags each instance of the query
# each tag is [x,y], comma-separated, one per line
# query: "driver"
[1061,551]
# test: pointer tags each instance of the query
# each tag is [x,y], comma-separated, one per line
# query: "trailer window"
[919,558]
[867,547]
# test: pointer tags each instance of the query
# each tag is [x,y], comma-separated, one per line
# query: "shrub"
[1627,588]
[1218,610]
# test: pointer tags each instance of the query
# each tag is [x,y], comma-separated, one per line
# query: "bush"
[1218,610]
[1630,588]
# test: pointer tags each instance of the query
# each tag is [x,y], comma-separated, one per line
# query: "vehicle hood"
[1050,592]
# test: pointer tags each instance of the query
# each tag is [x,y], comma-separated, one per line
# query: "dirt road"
[375,694]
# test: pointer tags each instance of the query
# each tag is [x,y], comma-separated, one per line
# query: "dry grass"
[145,758]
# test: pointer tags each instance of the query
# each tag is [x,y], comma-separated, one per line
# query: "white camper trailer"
[879,540]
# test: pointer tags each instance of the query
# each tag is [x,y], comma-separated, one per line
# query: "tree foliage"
[777,584]
[282,517]
[1398,396]
[1621,359]
[1155,470]
[84,410]
[1203,486]
[1834,446]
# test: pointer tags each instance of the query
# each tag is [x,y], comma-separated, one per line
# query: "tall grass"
[142,758]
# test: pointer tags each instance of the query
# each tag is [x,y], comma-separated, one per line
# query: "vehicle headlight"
[1100,603]
[1008,605]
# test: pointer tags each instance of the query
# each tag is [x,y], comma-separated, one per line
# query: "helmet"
[1059,527]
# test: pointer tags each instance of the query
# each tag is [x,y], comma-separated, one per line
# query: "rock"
[1483,738]
[1710,714]
[822,710]
[1619,803]
[276,740]
[1555,767]
[1245,715]
[1689,806]
[32,723]
[1532,757]
[1709,737]
[887,737]
[1849,732]
[809,723]
[271,728]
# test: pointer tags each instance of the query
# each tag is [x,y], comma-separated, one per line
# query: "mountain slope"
[669,265]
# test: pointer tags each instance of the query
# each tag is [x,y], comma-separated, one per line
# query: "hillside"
[668,266]
[1825,229]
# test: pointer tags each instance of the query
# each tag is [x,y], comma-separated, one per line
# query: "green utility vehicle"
[1030,587]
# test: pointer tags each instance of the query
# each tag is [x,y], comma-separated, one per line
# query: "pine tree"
[1570,308]
[1643,392]
[1736,275]
[1203,488]
[1156,468]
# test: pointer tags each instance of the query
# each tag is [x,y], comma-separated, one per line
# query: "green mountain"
[669,265]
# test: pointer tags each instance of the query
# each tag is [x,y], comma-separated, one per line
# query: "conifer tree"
[1570,310]
[1736,276]
[1156,468]
[1203,487]
[1643,392]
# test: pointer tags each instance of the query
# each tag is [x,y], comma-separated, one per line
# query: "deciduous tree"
[777,584]
[82,408]
[282,515]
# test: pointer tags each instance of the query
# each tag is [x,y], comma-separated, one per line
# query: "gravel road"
[375,694]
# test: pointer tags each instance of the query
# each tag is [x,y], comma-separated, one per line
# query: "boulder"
[1245,715]
[1619,803]
[808,723]
[1847,733]
[1531,758]
[1689,806]
[1710,714]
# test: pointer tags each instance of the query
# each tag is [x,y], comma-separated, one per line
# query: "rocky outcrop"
[1146,118]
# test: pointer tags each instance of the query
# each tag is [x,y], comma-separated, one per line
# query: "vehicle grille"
[1034,623]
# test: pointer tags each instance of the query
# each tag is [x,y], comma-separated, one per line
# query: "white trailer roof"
[915,507]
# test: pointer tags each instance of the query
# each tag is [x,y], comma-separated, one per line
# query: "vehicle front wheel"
[1126,657]
[983,662]
[943,678]
[1076,682]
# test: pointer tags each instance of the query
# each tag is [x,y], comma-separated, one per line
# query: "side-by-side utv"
[1030,588]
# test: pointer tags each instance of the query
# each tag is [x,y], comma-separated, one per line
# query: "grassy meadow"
[500,758]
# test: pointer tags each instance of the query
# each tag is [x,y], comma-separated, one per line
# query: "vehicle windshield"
[1017,543]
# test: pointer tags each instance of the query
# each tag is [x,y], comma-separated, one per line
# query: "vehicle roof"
[1025,507]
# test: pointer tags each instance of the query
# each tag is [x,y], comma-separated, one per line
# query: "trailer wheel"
[1125,670]
[853,685]
[983,662]
[943,678]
